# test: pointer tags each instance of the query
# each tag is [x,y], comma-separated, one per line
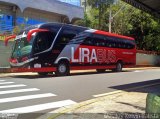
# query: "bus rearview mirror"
[31,32]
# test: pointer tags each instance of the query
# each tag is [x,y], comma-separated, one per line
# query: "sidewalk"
[110,107]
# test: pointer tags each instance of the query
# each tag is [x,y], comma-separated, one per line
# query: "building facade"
[29,12]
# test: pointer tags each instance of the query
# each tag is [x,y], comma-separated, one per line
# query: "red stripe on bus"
[48,69]
[34,31]
[112,34]
[98,67]
[92,67]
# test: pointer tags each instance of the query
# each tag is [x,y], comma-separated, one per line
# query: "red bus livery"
[59,48]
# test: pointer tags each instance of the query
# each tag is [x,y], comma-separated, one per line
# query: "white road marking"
[105,94]
[2,80]
[27,97]
[6,83]
[18,91]
[138,71]
[12,86]
[40,107]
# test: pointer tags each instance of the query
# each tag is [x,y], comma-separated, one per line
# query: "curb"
[71,108]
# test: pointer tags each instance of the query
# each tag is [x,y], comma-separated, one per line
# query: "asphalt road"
[30,93]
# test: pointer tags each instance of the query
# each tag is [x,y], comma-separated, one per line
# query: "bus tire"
[119,66]
[62,69]
[100,70]
[42,73]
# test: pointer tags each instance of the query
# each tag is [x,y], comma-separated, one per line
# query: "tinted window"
[65,36]
[113,42]
[99,40]
[82,37]
[88,41]
[43,41]
[130,44]
[119,43]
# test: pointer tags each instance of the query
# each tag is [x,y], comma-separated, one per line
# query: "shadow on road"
[152,86]
[36,76]
[152,101]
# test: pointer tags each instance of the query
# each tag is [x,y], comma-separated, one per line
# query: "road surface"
[31,93]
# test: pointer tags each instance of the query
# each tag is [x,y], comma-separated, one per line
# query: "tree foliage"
[146,30]
[129,21]
[100,6]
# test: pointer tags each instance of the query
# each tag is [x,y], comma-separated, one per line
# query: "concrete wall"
[142,59]
[147,59]
[5,53]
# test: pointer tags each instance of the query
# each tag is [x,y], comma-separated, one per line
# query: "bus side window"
[65,37]
[109,42]
[118,43]
[130,44]
[88,41]
[99,40]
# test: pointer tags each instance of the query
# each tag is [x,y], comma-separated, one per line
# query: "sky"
[74,2]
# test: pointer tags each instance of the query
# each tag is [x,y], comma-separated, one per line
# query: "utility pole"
[111,17]
[85,6]
[110,20]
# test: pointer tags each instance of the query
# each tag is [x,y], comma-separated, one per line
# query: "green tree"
[83,22]
[146,30]
[100,6]
[129,21]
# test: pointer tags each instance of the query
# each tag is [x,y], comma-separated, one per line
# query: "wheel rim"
[62,68]
[119,67]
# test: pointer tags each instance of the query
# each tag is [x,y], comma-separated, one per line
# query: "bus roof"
[112,34]
[60,25]
[85,28]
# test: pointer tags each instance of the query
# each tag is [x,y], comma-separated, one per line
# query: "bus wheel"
[62,69]
[100,70]
[42,73]
[119,67]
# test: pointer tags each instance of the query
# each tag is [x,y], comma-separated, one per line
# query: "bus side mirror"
[9,38]
[29,35]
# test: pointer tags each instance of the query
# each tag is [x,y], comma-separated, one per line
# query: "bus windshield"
[22,47]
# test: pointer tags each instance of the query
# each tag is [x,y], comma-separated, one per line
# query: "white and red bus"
[59,48]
